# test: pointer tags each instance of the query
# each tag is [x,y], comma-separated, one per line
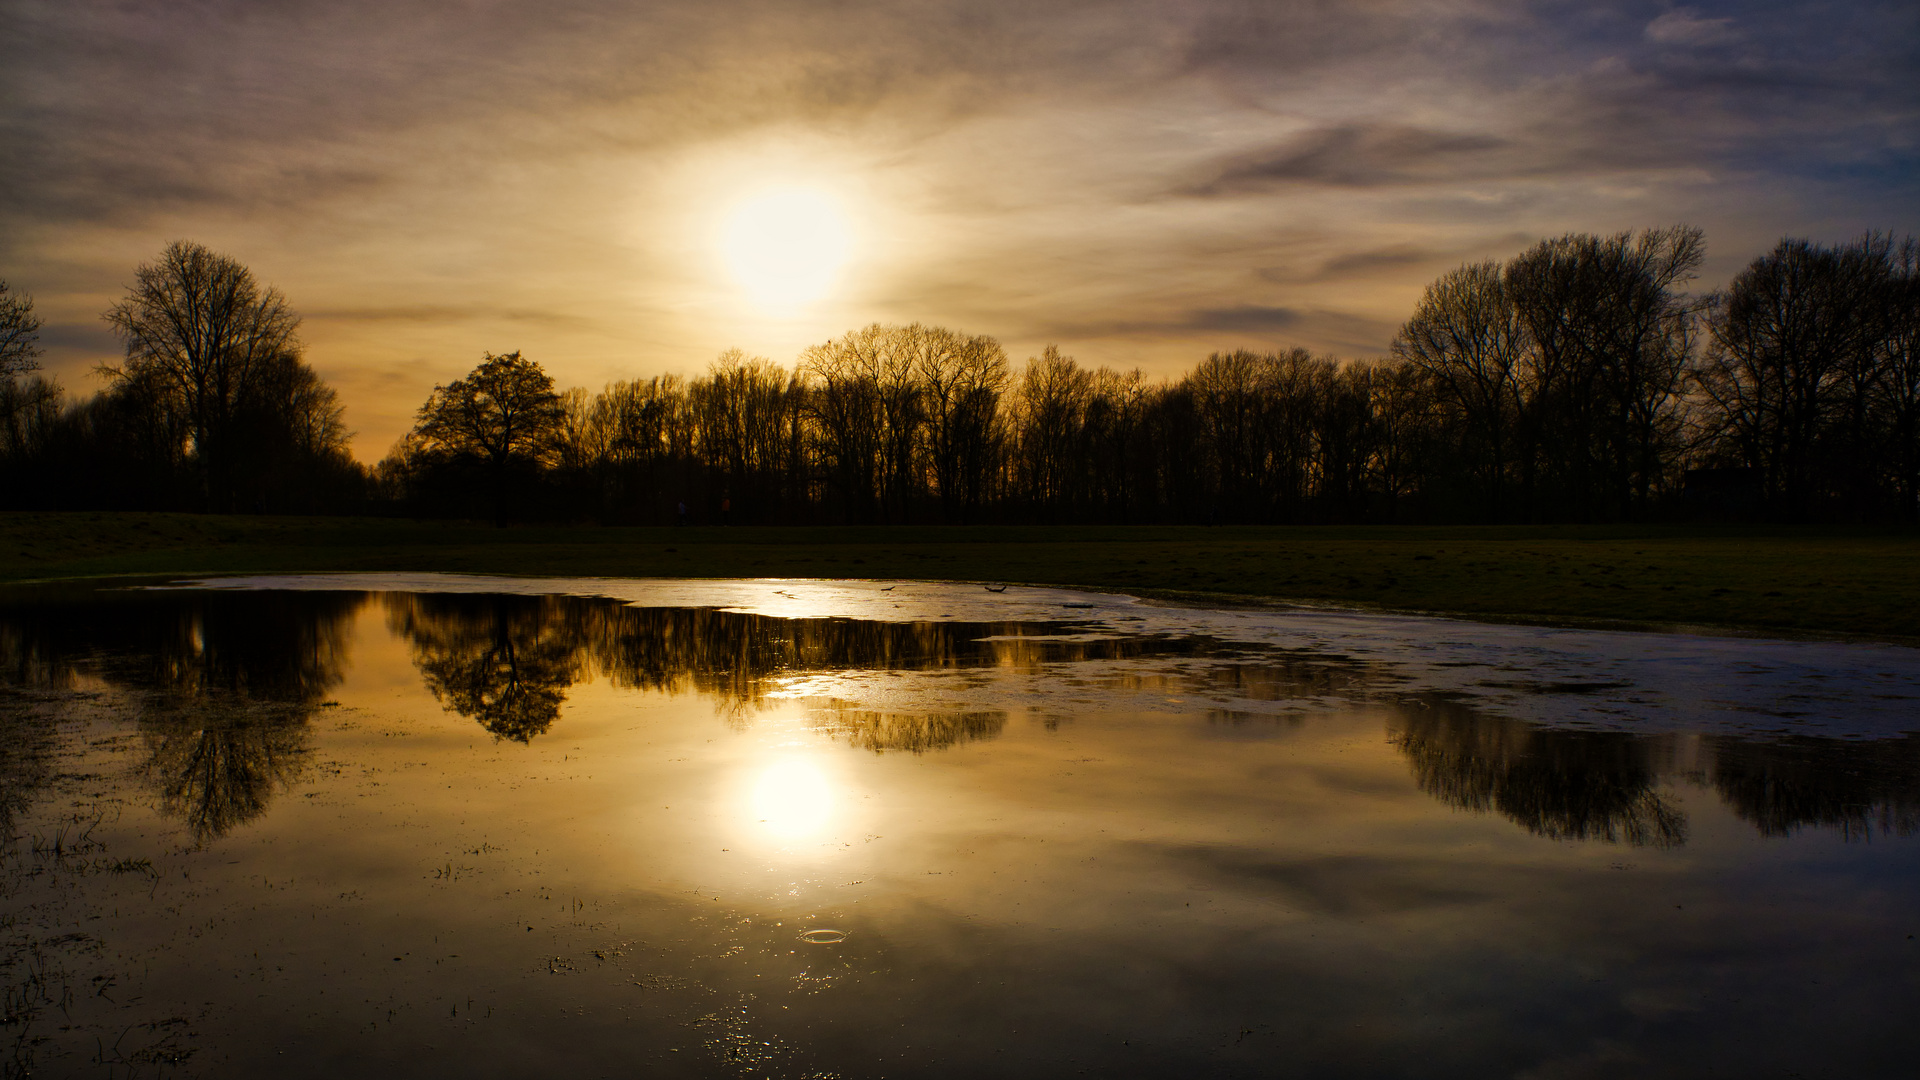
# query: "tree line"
[213,408]
[1578,381]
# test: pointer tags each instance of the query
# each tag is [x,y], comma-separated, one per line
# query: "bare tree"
[1608,343]
[201,322]
[1052,415]
[19,333]
[962,378]
[1467,337]
[1900,379]
[1784,335]
[867,410]
[1118,437]
[745,404]
[1400,409]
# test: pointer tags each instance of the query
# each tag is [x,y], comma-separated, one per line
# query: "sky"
[1141,183]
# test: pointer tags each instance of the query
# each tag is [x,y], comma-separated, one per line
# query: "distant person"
[726,509]
[683,513]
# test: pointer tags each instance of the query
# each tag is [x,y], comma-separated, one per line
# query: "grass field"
[1854,582]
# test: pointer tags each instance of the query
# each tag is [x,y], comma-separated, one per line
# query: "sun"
[786,246]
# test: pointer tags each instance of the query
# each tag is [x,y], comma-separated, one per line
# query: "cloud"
[441,314]
[426,180]
[1359,264]
[84,338]
[1682,27]
[1347,155]
[1252,325]
[1253,318]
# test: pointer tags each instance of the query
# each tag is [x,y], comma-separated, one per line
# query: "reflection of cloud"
[1339,885]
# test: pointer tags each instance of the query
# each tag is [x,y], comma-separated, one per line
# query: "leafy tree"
[504,415]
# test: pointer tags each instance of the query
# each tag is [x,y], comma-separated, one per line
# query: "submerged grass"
[1813,580]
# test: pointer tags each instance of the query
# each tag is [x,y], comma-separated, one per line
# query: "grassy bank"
[1804,580]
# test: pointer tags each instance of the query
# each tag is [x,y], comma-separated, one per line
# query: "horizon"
[1140,184]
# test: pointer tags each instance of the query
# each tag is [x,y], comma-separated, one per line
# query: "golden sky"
[1141,183]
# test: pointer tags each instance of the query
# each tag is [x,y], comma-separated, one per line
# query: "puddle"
[372,828]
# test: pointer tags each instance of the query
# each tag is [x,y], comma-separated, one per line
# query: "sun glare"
[793,799]
[786,246]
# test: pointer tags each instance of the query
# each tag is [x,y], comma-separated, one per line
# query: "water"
[465,827]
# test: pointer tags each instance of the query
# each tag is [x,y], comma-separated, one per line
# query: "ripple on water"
[824,937]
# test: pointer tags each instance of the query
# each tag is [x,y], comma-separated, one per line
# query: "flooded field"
[387,825]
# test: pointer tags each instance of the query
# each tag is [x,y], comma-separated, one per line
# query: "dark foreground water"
[344,833]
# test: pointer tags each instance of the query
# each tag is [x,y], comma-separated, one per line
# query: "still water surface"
[351,831]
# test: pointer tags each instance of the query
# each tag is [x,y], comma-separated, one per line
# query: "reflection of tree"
[27,744]
[1566,785]
[1855,787]
[508,661]
[733,655]
[504,661]
[233,679]
[226,682]
[915,732]
[218,766]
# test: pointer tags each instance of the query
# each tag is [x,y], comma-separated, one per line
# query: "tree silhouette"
[504,415]
[1466,337]
[19,332]
[1812,375]
[963,379]
[199,323]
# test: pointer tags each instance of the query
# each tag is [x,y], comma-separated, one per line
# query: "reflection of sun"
[786,245]
[793,799]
